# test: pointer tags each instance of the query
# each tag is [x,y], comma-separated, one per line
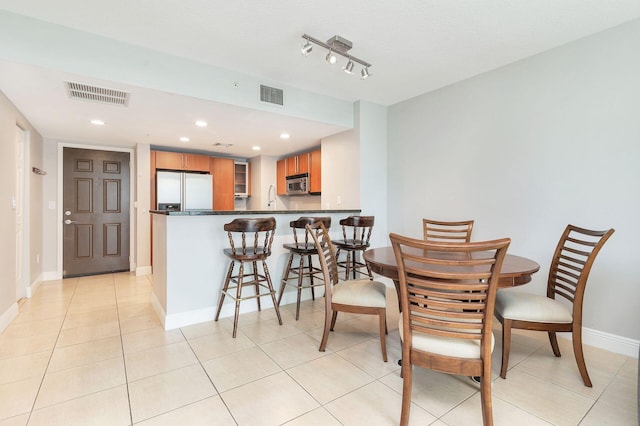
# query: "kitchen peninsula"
[189,265]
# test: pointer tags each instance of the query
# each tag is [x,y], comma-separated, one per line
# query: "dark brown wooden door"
[96,212]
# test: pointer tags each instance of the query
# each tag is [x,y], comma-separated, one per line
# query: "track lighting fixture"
[337,45]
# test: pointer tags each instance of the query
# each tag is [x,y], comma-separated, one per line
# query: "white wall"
[10,117]
[525,150]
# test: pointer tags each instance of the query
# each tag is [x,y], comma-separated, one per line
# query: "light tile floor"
[91,351]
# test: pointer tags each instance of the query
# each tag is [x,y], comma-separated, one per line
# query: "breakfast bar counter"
[189,265]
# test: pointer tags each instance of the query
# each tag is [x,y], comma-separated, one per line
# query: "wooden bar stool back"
[356,233]
[303,248]
[250,242]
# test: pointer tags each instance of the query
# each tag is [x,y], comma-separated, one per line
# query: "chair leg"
[347,264]
[285,278]
[579,354]
[256,280]
[485,394]
[333,319]
[225,287]
[554,343]
[407,379]
[272,292]
[238,296]
[506,346]
[325,333]
[300,276]
[382,315]
[310,265]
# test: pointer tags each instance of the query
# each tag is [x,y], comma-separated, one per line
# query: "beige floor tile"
[219,344]
[329,377]
[618,404]
[108,407]
[23,367]
[210,411]
[346,333]
[88,333]
[144,322]
[36,313]
[135,310]
[469,413]
[208,327]
[126,300]
[33,328]
[158,360]
[267,330]
[435,392]
[75,382]
[20,420]
[293,350]
[542,398]
[309,319]
[16,346]
[375,404]
[17,397]
[368,357]
[90,318]
[318,417]
[150,338]
[165,392]
[85,307]
[85,353]
[256,403]
[239,368]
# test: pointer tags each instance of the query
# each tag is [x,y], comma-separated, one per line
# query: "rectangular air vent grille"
[271,95]
[97,94]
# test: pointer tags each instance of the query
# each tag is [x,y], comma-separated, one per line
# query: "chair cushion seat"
[448,346]
[372,294]
[516,305]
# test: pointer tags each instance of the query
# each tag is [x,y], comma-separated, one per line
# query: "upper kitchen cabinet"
[315,172]
[182,161]
[242,179]
[298,164]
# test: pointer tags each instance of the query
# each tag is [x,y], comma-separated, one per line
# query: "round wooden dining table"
[516,270]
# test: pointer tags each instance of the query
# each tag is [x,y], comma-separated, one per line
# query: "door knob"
[69,222]
[67,213]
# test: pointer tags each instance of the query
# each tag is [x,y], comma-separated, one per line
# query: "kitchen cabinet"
[223,172]
[281,177]
[181,161]
[315,172]
[242,179]
[298,164]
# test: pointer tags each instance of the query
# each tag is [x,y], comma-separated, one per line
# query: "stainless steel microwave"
[298,185]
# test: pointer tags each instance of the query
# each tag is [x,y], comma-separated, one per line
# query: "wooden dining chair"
[435,230]
[447,293]
[361,296]
[568,274]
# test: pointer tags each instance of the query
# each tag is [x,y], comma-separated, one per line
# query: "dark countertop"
[249,212]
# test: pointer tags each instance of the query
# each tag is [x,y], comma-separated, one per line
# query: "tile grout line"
[124,361]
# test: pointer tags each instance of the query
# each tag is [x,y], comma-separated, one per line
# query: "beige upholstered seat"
[447,310]
[568,274]
[355,296]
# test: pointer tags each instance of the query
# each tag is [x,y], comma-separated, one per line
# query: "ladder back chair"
[435,230]
[447,293]
[356,233]
[250,242]
[570,267]
[355,296]
[303,248]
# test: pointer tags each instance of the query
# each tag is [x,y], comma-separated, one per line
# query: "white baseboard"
[8,316]
[607,341]
[51,276]
[157,307]
[31,289]
[144,270]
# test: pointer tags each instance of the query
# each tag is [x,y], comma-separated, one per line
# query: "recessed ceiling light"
[201,123]
[97,122]
[284,136]
[256,148]
[184,139]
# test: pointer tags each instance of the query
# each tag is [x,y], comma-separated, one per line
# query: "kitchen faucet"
[272,189]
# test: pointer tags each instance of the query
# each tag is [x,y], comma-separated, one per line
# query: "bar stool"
[359,229]
[303,250]
[246,248]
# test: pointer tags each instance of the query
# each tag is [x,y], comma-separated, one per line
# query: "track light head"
[331,58]
[364,73]
[349,67]
[306,49]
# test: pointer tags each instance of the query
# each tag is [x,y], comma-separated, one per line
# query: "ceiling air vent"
[97,94]
[271,95]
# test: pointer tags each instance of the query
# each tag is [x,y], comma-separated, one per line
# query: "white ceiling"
[415,46]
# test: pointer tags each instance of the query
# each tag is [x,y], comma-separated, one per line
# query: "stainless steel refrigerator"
[183,191]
